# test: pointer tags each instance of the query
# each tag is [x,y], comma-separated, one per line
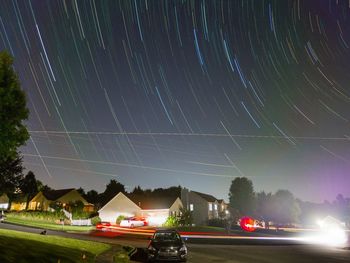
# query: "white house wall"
[200,209]
[176,206]
[119,205]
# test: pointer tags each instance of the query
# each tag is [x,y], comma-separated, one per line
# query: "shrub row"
[37,215]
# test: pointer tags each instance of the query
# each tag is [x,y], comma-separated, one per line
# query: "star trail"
[185,92]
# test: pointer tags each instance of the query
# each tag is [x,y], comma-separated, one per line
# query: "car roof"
[166,231]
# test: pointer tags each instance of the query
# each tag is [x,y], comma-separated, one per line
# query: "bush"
[44,216]
[95,220]
[119,219]
[80,215]
[172,221]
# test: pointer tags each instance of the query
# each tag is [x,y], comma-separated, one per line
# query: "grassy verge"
[24,247]
[47,225]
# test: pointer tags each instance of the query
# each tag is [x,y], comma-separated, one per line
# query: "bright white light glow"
[156,220]
[332,237]
[331,233]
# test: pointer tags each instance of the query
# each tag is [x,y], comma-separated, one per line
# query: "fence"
[81,222]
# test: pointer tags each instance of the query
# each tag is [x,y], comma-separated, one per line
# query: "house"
[156,210]
[120,205]
[18,202]
[4,201]
[204,207]
[43,199]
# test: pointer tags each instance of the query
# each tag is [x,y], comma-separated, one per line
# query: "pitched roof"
[208,198]
[145,202]
[55,194]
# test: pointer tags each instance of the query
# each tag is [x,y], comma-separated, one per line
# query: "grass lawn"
[47,225]
[24,247]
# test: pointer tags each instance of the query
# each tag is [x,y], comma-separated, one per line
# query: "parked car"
[167,245]
[133,222]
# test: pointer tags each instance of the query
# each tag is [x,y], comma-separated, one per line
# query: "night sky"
[192,93]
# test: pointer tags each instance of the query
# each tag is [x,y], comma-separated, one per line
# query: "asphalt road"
[203,253]
[266,254]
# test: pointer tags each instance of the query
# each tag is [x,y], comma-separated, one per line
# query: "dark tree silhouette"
[13,110]
[92,197]
[81,191]
[112,189]
[29,186]
[285,208]
[264,207]
[137,190]
[10,174]
[241,196]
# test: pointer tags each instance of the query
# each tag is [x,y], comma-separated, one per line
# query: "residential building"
[43,200]
[4,201]
[156,210]
[19,202]
[204,207]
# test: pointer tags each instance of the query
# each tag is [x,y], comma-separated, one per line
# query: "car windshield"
[166,236]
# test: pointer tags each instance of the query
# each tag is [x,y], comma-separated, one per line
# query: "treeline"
[281,207]
[20,187]
[114,187]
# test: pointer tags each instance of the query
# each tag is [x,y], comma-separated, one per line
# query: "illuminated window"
[191,207]
[215,207]
[210,207]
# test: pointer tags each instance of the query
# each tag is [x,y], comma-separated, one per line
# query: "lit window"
[215,207]
[210,207]
[191,207]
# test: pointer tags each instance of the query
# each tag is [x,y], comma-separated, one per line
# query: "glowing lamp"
[247,224]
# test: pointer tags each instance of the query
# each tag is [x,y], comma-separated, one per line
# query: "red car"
[103,225]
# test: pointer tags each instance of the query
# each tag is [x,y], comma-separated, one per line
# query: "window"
[210,207]
[215,207]
[191,207]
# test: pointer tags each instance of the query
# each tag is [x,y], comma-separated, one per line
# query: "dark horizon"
[190,93]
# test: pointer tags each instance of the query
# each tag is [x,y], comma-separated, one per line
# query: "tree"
[285,208]
[264,209]
[186,218]
[137,190]
[112,189]
[81,191]
[13,110]
[10,176]
[42,187]
[29,186]
[241,197]
[92,197]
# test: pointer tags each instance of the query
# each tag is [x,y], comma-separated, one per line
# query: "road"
[203,253]
[266,254]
